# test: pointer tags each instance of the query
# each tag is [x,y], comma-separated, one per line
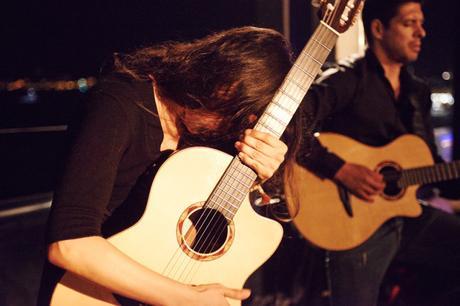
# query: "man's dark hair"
[382,10]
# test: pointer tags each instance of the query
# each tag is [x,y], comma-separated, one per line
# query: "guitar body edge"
[186,178]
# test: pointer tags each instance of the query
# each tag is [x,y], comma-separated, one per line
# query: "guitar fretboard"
[238,178]
[430,174]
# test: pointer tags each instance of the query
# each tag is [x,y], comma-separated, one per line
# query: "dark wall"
[456,120]
[73,37]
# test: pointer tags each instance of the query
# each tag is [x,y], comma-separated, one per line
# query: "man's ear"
[377,29]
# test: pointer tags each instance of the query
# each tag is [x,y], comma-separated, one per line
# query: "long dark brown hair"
[217,82]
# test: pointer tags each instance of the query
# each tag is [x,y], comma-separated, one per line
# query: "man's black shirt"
[356,99]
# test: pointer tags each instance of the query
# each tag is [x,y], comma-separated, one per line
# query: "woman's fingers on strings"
[264,142]
[261,151]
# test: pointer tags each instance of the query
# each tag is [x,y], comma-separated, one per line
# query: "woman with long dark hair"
[206,92]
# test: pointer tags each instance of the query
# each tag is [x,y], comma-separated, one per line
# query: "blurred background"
[50,55]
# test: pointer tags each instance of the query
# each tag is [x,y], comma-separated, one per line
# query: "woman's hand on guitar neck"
[361,181]
[216,294]
[261,151]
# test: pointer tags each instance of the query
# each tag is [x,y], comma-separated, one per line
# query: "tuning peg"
[358,11]
[317,3]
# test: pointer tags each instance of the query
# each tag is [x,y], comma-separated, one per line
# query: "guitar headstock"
[339,14]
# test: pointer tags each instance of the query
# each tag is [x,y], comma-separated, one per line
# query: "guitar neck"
[238,178]
[430,174]
[297,82]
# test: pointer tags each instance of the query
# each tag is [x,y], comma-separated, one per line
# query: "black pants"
[427,248]
[421,245]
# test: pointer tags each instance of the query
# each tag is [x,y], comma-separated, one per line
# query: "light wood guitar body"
[322,218]
[154,243]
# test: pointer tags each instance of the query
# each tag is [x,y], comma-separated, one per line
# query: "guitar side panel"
[186,178]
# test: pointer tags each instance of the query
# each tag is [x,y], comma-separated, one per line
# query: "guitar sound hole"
[391,175]
[208,231]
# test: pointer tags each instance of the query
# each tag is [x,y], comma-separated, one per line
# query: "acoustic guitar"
[198,226]
[334,219]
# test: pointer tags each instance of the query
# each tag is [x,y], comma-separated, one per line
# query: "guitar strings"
[218,236]
[203,225]
[311,54]
[219,201]
[192,263]
[201,222]
[222,223]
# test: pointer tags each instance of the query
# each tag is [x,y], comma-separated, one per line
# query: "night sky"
[60,38]
[55,38]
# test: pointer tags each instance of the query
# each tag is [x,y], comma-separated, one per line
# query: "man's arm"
[333,92]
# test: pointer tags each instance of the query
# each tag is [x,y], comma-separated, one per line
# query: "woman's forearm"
[97,260]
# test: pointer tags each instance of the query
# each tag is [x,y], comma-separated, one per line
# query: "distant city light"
[446,75]
[444,141]
[82,84]
[30,97]
[441,103]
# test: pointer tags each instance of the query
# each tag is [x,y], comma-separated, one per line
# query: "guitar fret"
[444,172]
[291,81]
[226,201]
[312,57]
[233,189]
[282,123]
[437,172]
[297,102]
[247,172]
[408,178]
[423,176]
[431,174]
[228,214]
[419,176]
[294,91]
[452,170]
[232,181]
[449,171]
[403,180]
[322,45]
[413,177]
[455,170]
[282,107]
[230,194]
[268,128]
[311,76]
[426,175]
[218,207]
[275,124]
